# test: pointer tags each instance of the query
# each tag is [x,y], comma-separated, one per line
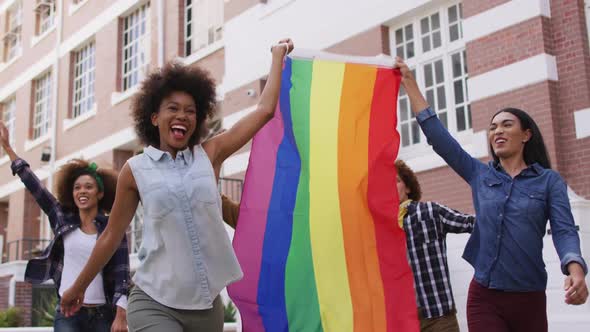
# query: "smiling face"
[176,120]
[507,136]
[86,193]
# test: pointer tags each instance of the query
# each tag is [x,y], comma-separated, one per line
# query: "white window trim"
[213,21]
[4,160]
[36,39]
[119,97]
[129,12]
[18,26]
[35,87]
[203,53]
[53,17]
[71,123]
[74,7]
[10,123]
[74,55]
[31,144]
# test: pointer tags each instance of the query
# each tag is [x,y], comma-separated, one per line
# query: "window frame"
[133,76]
[13,32]
[83,80]
[45,13]
[214,26]
[42,105]
[418,62]
[10,122]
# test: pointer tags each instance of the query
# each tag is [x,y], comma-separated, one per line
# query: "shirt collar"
[532,170]
[153,153]
[157,154]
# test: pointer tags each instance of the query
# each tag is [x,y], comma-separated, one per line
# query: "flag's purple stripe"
[249,234]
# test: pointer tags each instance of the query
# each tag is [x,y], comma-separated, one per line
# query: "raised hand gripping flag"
[317,236]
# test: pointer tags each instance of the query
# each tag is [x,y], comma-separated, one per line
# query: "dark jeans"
[491,310]
[88,319]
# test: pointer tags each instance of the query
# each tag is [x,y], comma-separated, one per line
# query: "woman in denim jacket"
[514,195]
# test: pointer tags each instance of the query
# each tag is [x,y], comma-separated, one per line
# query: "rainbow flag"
[317,236]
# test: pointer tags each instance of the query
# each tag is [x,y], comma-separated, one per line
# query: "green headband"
[92,170]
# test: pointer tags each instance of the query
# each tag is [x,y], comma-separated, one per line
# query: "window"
[410,131]
[430,32]
[42,105]
[136,46]
[8,117]
[83,87]
[455,16]
[13,34]
[434,88]
[439,64]
[45,12]
[203,24]
[404,42]
[462,108]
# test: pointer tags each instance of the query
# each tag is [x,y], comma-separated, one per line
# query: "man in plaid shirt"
[426,225]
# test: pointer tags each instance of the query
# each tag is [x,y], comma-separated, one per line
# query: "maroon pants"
[498,311]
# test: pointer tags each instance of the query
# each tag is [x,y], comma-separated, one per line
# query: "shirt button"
[501,214]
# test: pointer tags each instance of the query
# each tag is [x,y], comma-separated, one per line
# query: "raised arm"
[454,221]
[126,201]
[20,167]
[567,243]
[437,135]
[224,145]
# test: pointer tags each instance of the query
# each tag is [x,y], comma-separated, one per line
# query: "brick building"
[68,70]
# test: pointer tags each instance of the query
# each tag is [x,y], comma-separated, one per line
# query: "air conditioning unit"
[215,33]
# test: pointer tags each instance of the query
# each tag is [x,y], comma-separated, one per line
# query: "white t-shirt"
[77,249]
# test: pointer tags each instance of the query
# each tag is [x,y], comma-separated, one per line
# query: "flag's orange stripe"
[357,223]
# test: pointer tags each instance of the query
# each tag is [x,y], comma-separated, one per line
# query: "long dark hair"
[534,149]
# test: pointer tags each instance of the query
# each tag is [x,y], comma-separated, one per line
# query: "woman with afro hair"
[186,258]
[77,218]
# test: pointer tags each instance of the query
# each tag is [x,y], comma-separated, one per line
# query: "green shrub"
[229,314]
[43,306]
[11,317]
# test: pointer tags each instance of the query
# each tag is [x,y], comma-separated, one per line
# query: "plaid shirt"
[50,264]
[426,225]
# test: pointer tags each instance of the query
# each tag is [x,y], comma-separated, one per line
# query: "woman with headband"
[77,217]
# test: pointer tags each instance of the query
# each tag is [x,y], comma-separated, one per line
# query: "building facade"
[68,71]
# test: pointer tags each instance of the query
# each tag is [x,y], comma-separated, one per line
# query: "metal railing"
[231,188]
[24,249]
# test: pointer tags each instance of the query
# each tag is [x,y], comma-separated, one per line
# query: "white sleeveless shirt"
[186,257]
